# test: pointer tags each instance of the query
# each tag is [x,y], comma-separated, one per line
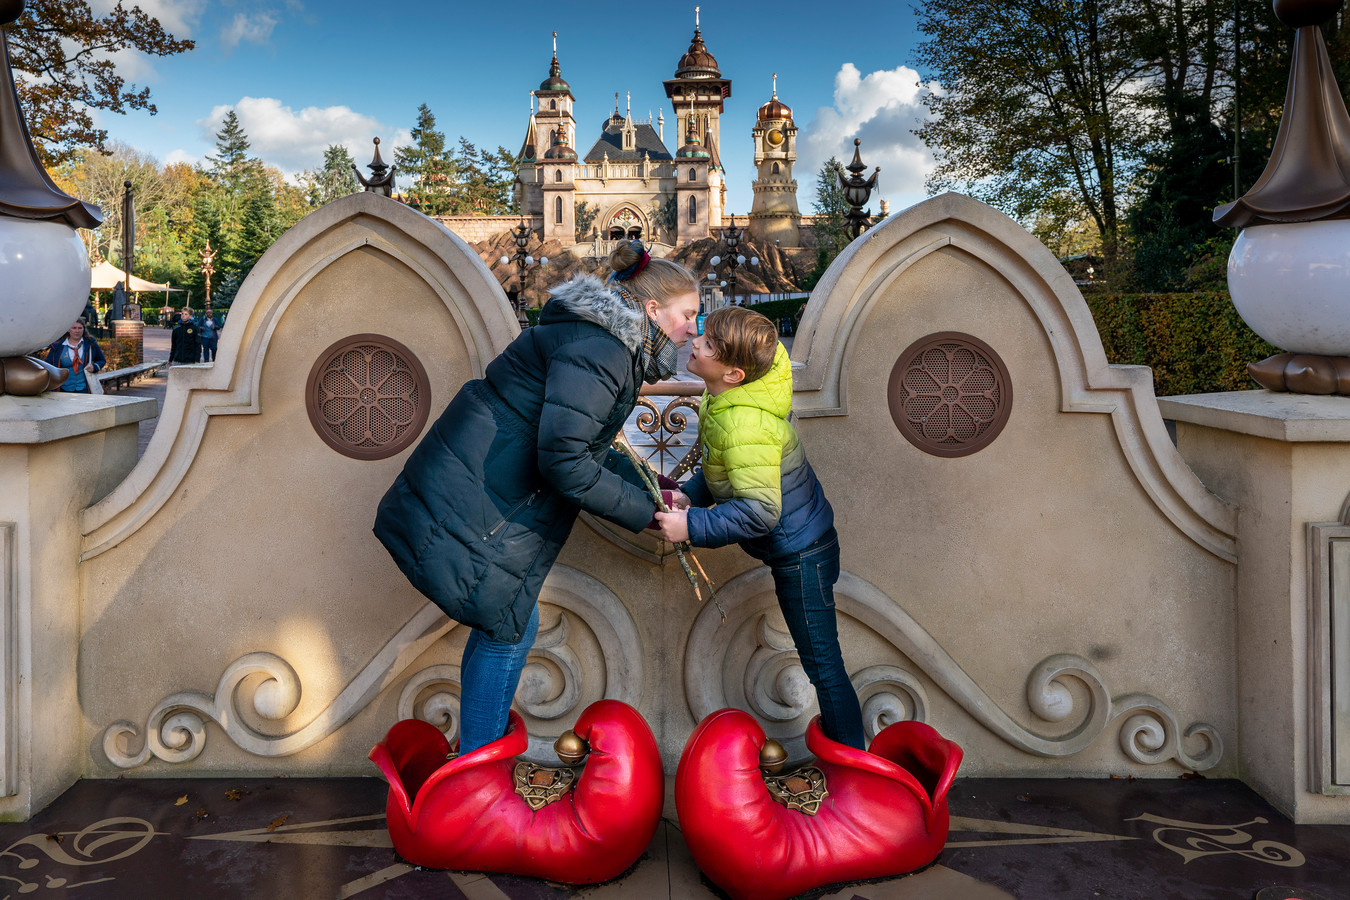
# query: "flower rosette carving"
[368,396]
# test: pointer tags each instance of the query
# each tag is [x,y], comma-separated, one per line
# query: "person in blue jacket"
[487,499]
[79,353]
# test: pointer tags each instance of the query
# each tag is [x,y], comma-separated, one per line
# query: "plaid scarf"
[658,354]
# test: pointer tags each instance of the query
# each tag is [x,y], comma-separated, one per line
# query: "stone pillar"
[58,454]
[1284,461]
[131,330]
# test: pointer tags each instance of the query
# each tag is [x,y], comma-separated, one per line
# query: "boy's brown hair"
[742,338]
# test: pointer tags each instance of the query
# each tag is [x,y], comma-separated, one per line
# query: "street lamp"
[208,269]
[523,261]
[44,265]
[857,190]
[731,236]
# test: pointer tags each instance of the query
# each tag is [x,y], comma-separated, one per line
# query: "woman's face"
[76,332]
[678,318]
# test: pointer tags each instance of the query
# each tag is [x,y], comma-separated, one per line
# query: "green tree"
[586,214]
[831,220]
[334,179]
[1036,105]
[66,57]
[430,170]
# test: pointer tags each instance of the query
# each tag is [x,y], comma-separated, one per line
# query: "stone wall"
[1061,602]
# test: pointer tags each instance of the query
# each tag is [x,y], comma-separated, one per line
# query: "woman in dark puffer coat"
[484,504]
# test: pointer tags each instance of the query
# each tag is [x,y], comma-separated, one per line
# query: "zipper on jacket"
[528,501]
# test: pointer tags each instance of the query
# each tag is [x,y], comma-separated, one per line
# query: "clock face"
[774,137]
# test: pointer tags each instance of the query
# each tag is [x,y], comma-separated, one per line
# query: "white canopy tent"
[105,277]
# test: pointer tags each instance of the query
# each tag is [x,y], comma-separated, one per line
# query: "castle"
[629,184]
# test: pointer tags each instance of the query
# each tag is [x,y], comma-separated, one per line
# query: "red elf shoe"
[487,811]
[852,815]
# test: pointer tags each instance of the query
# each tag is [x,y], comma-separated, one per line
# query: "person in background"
[183,345]
[80,354]
[208,330]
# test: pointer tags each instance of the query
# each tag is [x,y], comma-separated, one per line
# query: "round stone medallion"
[949,394]
[368,396]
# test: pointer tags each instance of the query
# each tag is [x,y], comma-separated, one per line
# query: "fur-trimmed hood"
[586,297]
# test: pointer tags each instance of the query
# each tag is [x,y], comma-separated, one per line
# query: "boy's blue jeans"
[805,585]
[488,676]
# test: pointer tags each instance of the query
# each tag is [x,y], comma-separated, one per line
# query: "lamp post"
[44,266]
[208,269]
[731,236]
[523,261]
[857,190]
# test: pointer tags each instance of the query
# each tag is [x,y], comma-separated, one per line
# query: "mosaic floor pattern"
[322,838]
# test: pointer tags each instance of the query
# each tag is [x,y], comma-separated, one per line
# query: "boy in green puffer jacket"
[756,488]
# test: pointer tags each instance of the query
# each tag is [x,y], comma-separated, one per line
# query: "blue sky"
[303,74]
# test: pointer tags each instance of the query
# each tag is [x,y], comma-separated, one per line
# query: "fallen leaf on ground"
[232,794]
[180,801]
[277,823]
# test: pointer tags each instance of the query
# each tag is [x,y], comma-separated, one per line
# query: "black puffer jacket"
[485,502]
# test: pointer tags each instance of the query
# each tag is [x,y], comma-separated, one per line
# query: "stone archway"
[626,222]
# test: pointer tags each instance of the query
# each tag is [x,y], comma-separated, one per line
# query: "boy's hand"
[676,499]
[674,525]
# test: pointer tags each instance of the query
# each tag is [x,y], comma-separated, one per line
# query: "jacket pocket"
[492,532]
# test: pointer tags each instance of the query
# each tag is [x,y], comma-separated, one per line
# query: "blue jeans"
[488,676]
[805,585]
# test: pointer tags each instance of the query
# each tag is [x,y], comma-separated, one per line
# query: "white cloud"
[295,140]
[181,156]
[178,17]
[882,108]
[256,28]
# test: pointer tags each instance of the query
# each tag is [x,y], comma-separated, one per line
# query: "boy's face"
[716,375]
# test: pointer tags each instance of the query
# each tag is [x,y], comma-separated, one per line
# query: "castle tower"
[697,92]
[773,214]
[553,121]
[558,183]
[693,209]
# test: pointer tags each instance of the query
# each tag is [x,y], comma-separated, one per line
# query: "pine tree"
[334,179]
[427,166]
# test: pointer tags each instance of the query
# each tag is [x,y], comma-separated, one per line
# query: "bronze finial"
[26,191]
[382,175]
[1308,176]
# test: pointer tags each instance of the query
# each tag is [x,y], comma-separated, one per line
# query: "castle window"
[693,210]
[557,210]
[557,174]
[553,104]
[775,168]
[693,176]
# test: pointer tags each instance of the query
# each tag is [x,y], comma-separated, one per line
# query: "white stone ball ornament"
[44,283]
[1291,284]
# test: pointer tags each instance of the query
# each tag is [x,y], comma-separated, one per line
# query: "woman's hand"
[674,525]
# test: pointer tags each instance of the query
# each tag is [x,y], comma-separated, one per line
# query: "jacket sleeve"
[696,489]
[584,381]
[754,467]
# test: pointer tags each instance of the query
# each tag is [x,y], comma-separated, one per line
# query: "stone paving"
[326,838]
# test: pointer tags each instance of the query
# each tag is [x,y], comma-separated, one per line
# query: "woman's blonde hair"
[660,279]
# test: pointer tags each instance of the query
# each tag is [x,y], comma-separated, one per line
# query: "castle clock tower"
[773,214]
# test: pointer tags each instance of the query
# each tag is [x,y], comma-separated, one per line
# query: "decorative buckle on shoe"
[802,789]
[539,786]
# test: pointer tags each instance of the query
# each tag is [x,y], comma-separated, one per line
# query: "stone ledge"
[54,416]
[1267,414]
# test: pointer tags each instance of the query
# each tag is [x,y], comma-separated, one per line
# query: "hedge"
[1195,343]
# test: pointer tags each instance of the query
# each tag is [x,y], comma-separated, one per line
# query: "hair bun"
[628,259]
